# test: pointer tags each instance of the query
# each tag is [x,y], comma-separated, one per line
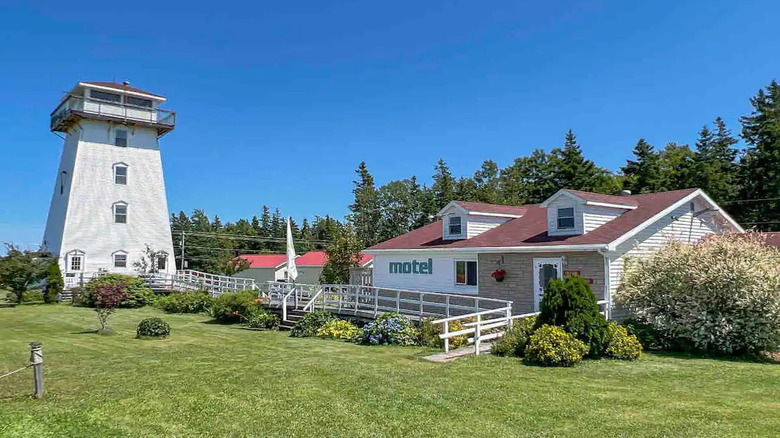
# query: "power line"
[742,201]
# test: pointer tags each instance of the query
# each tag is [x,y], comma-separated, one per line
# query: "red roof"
[481,207]
[318,258]
[531,229]
[121,87]
[772,239]
[264,260]
[607,199]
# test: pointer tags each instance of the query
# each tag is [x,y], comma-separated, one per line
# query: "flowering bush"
[189,302]
[721,295]
[515,339]
[338,329]
[621,345]
[552,346]
[429,334]
[233,306]
[263,319]
[308,325]
[153,328]
[390,329]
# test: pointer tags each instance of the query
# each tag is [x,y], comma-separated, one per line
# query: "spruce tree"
[643,174]
[571,169]
[715,167]
[365,209]
[677,164]
[443,185]
[760,164]
[486,183]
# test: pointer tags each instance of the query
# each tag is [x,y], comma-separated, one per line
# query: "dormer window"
[456,228]
[566,218]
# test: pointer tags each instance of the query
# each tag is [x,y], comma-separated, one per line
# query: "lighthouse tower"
[109,201]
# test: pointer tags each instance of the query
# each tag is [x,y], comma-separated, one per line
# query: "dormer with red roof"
[574,212]
[464,220]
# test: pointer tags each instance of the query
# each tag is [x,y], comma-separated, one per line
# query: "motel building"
[571,233]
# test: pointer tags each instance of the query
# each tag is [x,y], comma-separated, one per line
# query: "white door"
[544,270]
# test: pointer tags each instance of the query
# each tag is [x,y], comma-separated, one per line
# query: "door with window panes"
[545,270]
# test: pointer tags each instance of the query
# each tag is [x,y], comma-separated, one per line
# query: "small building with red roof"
[273,267]
[511,252]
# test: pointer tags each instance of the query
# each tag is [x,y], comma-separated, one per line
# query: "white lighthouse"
[109,200]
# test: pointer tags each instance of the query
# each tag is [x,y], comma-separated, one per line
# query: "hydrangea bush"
[390,329]
[721,295]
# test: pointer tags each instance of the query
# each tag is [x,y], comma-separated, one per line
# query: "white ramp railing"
[371,301]
[196,280]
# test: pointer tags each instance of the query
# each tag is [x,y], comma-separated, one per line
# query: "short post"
[421,305]
[376,302]
[447,308]
[397,301]
[446,336]
[509,317]
[477,330]
[36,359]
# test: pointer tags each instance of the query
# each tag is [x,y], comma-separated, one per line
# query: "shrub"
[339,329]
[263,319]
[32,296]
[429,334]
[721,295]
[153,328]
[552,346]
[645,333]
[308,325]
[571,304]
[133,288]
[621,345]
[515,339]
[390,329]
[188,302]
[107,299]
[233,306]
[54,283]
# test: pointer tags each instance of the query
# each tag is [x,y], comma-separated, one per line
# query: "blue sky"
[276,93]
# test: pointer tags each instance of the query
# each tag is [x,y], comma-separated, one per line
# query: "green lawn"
[216,380]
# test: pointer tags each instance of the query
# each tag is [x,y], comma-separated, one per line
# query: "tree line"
[746,182]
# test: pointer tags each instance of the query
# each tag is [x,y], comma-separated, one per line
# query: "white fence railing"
[371,301]
[482,329]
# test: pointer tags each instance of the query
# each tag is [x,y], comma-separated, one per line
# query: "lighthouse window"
[120,214]
[120,260]
[162,261]
[120,175]
[120,139]
[138,102]
[111,97]
[75,263]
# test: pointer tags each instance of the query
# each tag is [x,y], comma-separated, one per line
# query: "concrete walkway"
[484,348]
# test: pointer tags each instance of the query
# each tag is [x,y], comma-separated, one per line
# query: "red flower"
[498,273]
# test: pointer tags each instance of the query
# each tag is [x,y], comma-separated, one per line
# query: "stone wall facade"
[518,284]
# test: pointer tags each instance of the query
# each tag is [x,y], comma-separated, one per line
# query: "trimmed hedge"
[153,328]
[234,306]
[188,302]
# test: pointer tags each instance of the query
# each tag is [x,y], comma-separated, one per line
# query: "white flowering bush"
[721,295]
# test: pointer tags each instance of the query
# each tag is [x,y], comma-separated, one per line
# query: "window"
[75,263]
[120,175]
[111,97]
[466,273]
[566,218]
[120,260]
[162,261]
[138,102]
[120,214]
[120,138]
[455,226]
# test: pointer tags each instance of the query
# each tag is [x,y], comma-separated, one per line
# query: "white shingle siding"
[686,229]
[83,217]
[594,217]
[477,225]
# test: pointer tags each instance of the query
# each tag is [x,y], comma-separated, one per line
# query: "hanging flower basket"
[499,274]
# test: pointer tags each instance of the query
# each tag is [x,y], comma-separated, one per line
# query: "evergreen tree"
[426,206]
[677,164]
[760,163]
[216,224]
[343,253]
[399,208]
[571,169]
[265,223]
[365,210]
[465,189]
[539,173]
[443,185]
[643,174]
[486,183]
[715,167]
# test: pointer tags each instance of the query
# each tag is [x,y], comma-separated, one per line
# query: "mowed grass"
[210,380]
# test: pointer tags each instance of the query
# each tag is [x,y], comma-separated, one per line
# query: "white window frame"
[122,254]
[114,212]
[126,137]
[466,273]
[76,253]
[74,258]
[117,166]
[459,225]
[559,217]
